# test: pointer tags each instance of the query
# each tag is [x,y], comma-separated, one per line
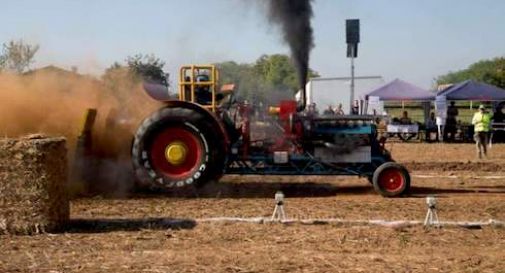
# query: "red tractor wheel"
[176,147]
[177,152]
[391,179]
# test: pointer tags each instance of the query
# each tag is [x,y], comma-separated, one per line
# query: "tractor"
[205,134]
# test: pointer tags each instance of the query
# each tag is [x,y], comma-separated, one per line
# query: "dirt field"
[137,234]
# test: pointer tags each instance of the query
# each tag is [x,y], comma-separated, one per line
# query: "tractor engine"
[289,134]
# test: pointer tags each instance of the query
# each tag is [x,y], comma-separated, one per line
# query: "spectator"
[481,121]
[312,110]
[431,127]
[499,119]
[329,111]
[499,115]
[405,120]
[355,108]
[450,123]
[339,111]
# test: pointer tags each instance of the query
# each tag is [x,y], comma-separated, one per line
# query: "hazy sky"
[413,40]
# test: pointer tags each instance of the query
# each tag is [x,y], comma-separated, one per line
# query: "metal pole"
[352,78]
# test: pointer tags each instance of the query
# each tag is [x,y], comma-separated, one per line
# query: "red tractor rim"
[192,158]
[391,180]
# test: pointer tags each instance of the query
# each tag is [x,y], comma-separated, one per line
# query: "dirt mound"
[33,177]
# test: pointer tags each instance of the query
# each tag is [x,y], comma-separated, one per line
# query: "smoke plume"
[293,16]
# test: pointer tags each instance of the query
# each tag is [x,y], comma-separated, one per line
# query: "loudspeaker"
[352,50]
[352,31]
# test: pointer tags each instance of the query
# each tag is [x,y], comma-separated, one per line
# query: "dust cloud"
[53,101]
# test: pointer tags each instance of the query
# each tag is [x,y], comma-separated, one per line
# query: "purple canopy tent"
[399,90]
[471,90]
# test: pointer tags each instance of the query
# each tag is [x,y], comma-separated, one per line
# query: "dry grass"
[33,176]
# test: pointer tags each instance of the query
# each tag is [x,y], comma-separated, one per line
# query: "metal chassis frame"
[306,164]
[301,165]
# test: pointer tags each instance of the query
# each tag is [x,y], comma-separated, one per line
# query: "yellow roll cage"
[188,83]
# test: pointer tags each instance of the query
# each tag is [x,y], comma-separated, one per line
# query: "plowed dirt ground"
[137,234]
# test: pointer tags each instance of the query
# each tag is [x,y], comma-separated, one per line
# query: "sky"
[414,40]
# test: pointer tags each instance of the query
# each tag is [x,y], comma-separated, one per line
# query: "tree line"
[487,71]
[269,77]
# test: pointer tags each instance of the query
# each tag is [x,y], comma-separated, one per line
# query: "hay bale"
[33,185]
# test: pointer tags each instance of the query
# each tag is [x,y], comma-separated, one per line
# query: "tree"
[247,84]
[120,81]
[270,78]
[17,56]
[488,71]
[148,66]
[279,71]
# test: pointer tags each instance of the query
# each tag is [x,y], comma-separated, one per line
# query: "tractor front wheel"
[391,179]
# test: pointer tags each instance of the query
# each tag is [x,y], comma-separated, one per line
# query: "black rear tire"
[205,151]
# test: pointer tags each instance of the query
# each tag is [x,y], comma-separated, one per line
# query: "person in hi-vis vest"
[481,122]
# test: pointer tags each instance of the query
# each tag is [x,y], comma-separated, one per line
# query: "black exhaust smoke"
[294,16]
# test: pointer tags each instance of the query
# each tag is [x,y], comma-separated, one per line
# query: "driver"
[202,92]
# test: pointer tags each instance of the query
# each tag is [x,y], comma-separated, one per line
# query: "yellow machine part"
[192,71]
[176,153]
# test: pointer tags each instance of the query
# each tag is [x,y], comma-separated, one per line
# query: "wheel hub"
[176,153]
[391,180]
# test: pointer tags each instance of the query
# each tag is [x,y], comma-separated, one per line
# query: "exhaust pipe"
[303,98]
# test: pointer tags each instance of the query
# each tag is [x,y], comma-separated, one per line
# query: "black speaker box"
[352,31]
